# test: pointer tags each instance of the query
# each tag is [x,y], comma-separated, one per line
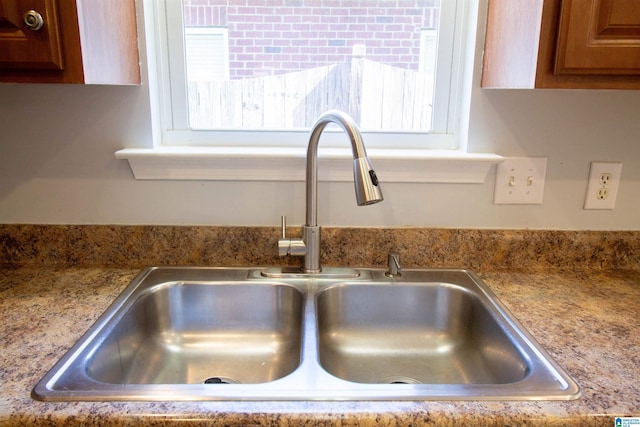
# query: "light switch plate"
[520,181]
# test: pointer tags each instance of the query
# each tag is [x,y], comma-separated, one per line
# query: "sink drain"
[399,380]
[220,380]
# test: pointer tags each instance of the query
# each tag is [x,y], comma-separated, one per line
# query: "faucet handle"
[294,247]
[283,242]
[283,225]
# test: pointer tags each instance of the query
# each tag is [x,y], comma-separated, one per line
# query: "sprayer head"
[366,182]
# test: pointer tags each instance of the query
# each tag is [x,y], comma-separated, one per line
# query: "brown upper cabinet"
[588,44]
[69,41]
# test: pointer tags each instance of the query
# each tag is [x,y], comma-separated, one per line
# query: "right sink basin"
[414,334]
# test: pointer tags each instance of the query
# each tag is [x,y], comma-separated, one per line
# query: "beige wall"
[57,166]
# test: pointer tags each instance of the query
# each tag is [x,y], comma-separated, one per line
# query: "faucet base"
[311,239]
[296,272]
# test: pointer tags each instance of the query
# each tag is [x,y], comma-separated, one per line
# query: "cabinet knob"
[33,20]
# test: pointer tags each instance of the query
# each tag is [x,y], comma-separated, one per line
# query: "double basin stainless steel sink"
[269,334]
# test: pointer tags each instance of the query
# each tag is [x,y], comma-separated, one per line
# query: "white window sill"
[288,164]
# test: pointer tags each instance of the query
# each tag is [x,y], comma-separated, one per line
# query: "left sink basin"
[186,333]
[168,332]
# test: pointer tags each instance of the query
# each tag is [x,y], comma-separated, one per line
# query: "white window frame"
[181,153]
[176,129]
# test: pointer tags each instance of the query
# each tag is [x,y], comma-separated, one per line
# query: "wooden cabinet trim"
[99,45]
[23,48]
[591,41]
[498,63]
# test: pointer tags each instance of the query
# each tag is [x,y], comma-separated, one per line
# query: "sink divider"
[310,375]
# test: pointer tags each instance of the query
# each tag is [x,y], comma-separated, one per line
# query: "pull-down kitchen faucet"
[365,182]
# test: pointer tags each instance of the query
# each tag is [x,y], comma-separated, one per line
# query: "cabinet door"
[25,48]
[599,37]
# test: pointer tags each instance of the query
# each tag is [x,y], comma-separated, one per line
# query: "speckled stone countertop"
[585,317]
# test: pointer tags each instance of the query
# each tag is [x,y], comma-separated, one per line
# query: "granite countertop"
[586,319]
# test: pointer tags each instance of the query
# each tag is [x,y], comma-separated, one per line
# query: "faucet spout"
[365,181]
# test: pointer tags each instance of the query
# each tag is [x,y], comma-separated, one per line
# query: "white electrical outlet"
[520,181]
[602,189]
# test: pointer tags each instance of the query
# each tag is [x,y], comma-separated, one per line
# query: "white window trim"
[284,160]
[288,164]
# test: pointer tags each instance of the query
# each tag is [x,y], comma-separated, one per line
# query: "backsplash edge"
[480,249]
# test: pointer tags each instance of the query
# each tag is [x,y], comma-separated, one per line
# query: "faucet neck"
[357,147]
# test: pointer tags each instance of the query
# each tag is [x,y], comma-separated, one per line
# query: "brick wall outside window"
[269,37]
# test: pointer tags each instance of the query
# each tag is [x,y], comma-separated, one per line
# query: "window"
[200,78]
[276,65]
